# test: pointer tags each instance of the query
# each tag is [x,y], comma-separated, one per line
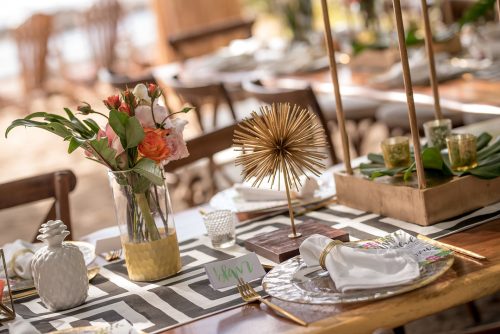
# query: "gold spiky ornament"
[280,142]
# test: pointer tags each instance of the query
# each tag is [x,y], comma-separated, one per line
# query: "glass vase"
[144,216]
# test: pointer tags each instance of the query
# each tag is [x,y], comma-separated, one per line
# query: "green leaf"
[118,121]
[92,125]
[134,132]
[431,158]
[489,150]
[186,109]
[78,125]
[408,173]
[149,169]
[486,172]
[141,184]
[376,158]
[73,144]
[105,153]
[483,140]
[55,128]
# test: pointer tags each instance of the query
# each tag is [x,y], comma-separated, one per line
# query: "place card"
[225,273]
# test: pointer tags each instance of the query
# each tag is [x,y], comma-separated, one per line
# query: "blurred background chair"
[355,109]
[101,23]
[56,185]
[201,95]
[183,41]
[32,39]
[181,19]
[304,97]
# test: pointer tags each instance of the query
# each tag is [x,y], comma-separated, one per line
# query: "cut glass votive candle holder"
[462,151]
[396,151]
[220,227]
[436,132]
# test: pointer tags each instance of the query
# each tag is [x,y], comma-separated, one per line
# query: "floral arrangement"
[139,138]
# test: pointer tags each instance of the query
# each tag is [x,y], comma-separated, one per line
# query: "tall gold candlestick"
[409,93]
[336,88]
[430,55]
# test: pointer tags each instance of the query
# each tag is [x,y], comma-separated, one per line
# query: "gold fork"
[250,295]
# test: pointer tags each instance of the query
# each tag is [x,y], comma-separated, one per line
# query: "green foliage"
[476,11]
[488,158]
[105,153]
[150,170]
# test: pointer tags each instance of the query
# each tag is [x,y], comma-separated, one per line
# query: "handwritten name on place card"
[225,273]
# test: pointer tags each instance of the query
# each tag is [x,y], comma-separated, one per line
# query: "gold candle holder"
[7,311]
[462,151]
[436,132]
[396,151]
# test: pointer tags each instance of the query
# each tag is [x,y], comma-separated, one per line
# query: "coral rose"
[112,102]
[154,145]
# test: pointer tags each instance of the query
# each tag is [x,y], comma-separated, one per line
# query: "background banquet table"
[463,94]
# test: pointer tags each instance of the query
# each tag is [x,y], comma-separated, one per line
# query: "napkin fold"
[18,256]
[357,268]
[249,193]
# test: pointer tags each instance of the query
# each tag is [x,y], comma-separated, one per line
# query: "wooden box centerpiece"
[418,202]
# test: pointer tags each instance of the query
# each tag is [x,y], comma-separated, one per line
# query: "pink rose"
[175,141]
[145,117]
[114,140]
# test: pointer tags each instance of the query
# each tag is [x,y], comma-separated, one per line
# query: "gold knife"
[451,247]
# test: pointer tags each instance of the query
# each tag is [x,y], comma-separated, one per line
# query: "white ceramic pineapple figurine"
[59,269]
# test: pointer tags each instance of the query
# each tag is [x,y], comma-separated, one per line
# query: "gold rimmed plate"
[293,281]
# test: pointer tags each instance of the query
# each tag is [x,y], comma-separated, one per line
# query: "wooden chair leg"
[399,330]
[474,312]
[62,189]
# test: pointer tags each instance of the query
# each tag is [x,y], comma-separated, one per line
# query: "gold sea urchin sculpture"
[282,142]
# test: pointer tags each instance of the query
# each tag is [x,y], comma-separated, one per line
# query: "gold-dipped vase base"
[154,260]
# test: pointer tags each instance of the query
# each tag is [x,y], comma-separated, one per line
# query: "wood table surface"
[467,280]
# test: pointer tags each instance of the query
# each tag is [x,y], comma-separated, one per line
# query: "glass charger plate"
[293,281]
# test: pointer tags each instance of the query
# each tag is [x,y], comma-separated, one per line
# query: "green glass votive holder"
[462,151]
[436,132]
[396,151]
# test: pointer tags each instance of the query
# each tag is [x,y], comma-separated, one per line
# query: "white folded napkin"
[356,268]
[18,256]
[21,326]
[263,193]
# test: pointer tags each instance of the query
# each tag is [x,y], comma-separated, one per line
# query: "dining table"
[460,93]
[169,306]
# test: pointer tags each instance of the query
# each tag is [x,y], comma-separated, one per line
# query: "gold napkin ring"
[326,250]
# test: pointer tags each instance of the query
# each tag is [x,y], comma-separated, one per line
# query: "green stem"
[149,222]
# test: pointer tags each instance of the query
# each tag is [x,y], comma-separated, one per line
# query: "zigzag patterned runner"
[153,307]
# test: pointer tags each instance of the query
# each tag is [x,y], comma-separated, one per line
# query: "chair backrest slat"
[304,97]
[55,185]
[205,146]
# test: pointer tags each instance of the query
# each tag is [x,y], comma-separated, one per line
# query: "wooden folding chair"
[302,96]
[32,39]
[56,185]
[205,147]
[179,42]
[101,24]
[198,95]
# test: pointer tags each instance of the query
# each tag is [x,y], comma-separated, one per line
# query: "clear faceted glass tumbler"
[220,226]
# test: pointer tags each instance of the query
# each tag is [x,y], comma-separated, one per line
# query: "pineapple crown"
[53,233]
